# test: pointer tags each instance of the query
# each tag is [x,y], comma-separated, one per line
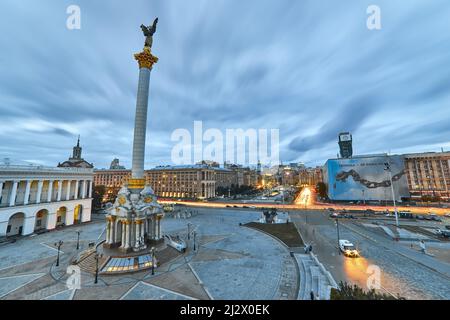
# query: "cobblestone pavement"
[404,271]
[232,262]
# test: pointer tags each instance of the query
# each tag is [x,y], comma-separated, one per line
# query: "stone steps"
[312,278]
[88,263]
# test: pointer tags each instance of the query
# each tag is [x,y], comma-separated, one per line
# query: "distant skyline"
[310,68]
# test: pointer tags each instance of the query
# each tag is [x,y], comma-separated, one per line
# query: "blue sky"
[309,68]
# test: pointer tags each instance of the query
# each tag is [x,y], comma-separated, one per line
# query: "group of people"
[308,248]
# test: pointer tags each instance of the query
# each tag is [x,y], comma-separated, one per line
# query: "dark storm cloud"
[309,68]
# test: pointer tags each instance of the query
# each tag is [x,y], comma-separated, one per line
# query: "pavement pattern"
[231,262]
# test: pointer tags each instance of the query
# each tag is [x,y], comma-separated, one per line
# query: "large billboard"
[366,178]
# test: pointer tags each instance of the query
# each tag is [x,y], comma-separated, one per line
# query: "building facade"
[428,174]
[76,161]
[35,198]
[111,178]
[199,181]
[195,181]
[310,176]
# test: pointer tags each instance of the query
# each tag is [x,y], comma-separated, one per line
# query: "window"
[8,229]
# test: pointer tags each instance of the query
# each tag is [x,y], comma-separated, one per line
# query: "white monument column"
[146,61]
[108,231]
[27,192]
[50,191]
[12,197]
[138,231]
[60,182]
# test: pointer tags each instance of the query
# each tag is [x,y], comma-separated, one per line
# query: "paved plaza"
[231,262]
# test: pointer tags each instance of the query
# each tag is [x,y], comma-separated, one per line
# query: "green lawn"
[285,232]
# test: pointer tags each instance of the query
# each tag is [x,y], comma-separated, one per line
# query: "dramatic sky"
[310,68]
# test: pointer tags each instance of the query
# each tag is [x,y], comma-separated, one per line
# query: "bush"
[349,292]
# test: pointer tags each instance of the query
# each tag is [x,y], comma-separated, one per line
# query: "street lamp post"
[153,260]
[388,169]
[364,197]
[78,239]
[189,231]
[194,234]
[338,236]
[58,244]
[97,256]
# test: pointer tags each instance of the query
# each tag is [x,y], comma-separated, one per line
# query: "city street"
[404,270]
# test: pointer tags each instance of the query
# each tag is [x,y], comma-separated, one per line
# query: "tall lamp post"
[338,236]
[153,260]
[189,231]
[58,244]
[78,239]
[97,256]
[388,169]
[364,197]
[194,234]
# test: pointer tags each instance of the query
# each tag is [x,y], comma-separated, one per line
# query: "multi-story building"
[289,176]
[310,176]
[188,181]
[428,174]
[34,198]
[111,178]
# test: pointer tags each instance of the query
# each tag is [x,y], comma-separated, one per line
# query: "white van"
[175,242]
[348,249]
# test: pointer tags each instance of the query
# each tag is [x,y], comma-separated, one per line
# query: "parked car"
[443,233]
[447,227]
[435,218]
[420,217]
[348,249]
[175,242]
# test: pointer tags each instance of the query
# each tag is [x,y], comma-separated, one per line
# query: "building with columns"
[35,198]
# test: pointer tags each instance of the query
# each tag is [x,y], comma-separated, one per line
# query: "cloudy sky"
[309,68]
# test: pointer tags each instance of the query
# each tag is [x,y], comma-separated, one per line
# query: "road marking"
[50,247]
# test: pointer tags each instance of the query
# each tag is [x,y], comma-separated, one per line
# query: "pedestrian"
[312,295]
[422,246]
[310,248]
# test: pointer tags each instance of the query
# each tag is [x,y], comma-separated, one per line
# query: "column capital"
[145,58]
